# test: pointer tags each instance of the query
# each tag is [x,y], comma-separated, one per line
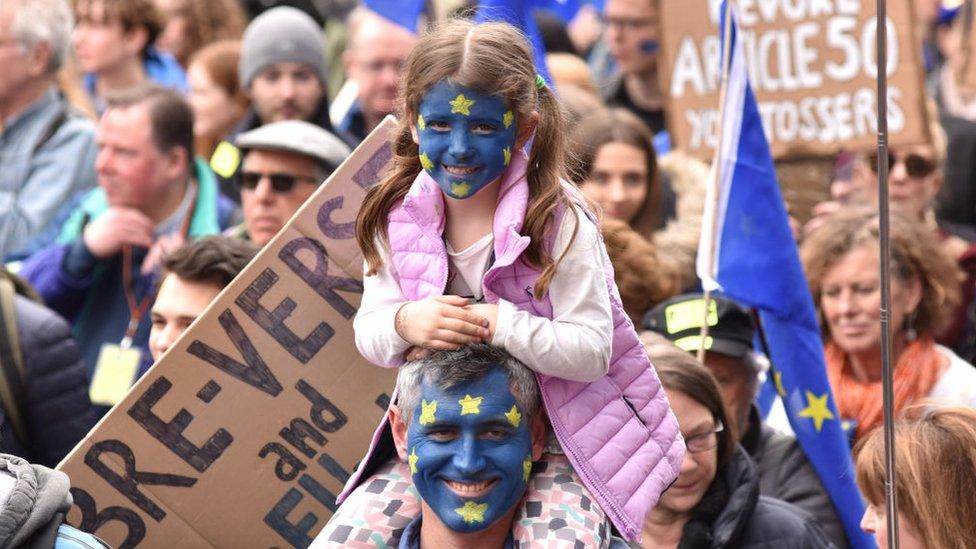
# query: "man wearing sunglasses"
[284,163]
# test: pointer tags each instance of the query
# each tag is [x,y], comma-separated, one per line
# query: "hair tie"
[540,82]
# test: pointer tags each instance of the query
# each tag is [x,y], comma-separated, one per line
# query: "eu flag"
[747,251]
[405,13]
[518,13]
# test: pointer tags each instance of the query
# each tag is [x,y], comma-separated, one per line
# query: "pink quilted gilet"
[618,431]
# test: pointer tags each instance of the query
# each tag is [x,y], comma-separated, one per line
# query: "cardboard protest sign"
[244,432]
[812,67]
[967,78]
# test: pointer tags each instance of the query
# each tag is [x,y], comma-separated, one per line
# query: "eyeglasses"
[280,182]
[704,441]
[629,24]
[916,165]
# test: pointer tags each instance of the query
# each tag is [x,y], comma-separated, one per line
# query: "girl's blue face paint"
[468,452]
[466,139]
[650,46]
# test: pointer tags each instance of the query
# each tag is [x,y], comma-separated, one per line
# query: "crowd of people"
[529,268]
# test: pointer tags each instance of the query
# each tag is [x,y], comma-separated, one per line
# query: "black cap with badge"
[730,326]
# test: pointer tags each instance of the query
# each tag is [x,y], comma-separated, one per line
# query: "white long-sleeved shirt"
[574,345]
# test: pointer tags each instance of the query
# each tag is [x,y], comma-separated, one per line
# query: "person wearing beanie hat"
[282,69]
[284,164]
[784,471]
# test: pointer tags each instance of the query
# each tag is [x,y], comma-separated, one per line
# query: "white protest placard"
[812,66]
[245,431]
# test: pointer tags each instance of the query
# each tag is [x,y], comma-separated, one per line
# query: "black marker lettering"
[92,519]
[335,231]
[321,406]
[318,278]
[277,519]
[298,432]
[286,459]
[255,373]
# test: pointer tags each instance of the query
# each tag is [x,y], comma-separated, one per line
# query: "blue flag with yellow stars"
[748,252]
[405,13]
[518,13]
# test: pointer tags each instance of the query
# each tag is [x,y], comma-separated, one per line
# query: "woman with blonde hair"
[935,479]
[842,267]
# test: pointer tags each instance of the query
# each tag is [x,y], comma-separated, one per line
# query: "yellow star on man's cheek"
[461,105]
[507,151]
[412,460]
[817,410]
[526,468]
[470,405]
[507,119]
[460,190]
[425,162]
[427,412]
[472,512]
[514,417]
[420,122]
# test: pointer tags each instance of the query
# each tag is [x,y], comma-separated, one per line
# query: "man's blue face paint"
[466,139]
[470,450]
[650,46]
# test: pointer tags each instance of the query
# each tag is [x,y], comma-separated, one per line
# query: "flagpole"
[713,204]
[885,250]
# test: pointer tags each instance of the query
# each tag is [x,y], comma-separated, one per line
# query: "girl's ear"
[526,129]
[414,135]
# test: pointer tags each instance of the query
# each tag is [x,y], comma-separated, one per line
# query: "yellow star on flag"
[507,151]
[508,118]
[425,162]
[460,190]
[526,468]
[470,405]
[817,410]
[420,122]
[412,460]
[472,512]
[461,105]
[778,381]
[514,417]
[427,411]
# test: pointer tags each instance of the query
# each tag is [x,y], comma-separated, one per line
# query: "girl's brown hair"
[492,59]
[643,280]
[219,60]
[618,126]
[935,467]
[914,253]
[208,21]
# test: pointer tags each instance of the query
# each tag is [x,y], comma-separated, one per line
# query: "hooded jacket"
[617,431]
[33,504]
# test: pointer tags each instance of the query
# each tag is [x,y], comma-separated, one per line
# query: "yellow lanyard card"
[115,372]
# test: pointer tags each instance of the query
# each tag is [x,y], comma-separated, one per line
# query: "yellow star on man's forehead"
[425,162]
[460,190]
[469,405]
[514,417]
[427,411]
[412,460]
[507,151]
[461,105]
[420,122]
[526,468]
[817,409]
[508,118]
[778,381]
[472,512]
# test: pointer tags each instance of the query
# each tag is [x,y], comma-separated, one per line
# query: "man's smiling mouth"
[470,489]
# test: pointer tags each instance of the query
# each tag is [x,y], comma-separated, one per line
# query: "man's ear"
[135,40]
[178,162]
[399,429]
[540,434]
[39,59]
[526,129]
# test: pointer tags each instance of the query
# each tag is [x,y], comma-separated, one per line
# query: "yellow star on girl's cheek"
[412,460]
[507,151]
[470,405]
[526,468]
[472,512]
[461,105]
[460,190]
[427,411]
[508,118]
[425,162]
[420,122]
[514,417]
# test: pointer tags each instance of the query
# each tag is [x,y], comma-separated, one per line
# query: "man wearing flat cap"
[284,163]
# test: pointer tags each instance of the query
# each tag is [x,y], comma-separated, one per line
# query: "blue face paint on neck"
[470,449]
[650,46]
[466,139]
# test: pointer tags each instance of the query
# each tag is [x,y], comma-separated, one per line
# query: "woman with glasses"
[715,501]
[842,266]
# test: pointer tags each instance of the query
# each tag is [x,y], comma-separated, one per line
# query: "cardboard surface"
[245,431]
[812,68]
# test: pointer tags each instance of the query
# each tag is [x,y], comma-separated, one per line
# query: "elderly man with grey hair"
[284,163]
[47,152]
